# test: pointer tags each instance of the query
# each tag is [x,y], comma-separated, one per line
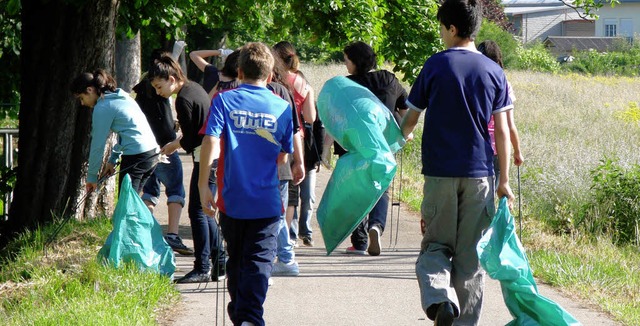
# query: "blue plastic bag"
[363,126]
[503,258]
[136,236]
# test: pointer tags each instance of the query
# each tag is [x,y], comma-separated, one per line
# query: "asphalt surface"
[342,289]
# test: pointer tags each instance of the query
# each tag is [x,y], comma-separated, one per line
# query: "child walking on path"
[459,89]
[252,129]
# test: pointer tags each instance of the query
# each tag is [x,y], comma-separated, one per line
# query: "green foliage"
[535,58]
[631,114]
[509,45]
[10,47]
[622,61]
[615,208]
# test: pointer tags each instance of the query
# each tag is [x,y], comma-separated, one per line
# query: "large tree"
[60,39]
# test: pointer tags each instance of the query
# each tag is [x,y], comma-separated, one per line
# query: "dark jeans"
[252,248]
[139,167]
[207,240]
[377,216]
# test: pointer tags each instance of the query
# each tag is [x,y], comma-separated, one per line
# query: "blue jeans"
[252,246]
[285,248]
[207,240]
[170,175]
[307,200]
[377,216]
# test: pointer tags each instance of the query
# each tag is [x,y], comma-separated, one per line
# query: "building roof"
[532,3]
[567,44]
[529,10]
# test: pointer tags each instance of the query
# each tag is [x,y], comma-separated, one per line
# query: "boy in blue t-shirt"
[252,128]
[459,89]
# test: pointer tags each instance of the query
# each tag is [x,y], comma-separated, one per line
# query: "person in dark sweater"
[157,109]
[361,62]
[192,106]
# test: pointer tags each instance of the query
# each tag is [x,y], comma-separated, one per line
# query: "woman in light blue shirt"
[114,110]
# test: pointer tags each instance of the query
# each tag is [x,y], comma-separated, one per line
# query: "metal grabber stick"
[395,202]
[519,205]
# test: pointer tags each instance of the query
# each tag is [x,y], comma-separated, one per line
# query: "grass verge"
[69,286]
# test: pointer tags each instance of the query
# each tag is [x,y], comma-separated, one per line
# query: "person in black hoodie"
[157,109]
[361,62]
[192,107]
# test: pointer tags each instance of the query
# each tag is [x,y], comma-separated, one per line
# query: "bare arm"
[503,147]
[409,122]
[309,112]
[298,159]
[198,57]
[210,146]
[518,159]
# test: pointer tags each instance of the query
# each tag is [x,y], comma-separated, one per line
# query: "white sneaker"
[270,282]
[282,269]
[374,241]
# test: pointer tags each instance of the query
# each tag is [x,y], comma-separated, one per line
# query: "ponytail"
[166,67]
[100,79]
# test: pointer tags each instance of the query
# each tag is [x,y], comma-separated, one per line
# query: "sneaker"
[195,277]
[353,251]
[444,315]
[282,269]
[218,274]
[307,241]
[270,282]
[176,244]
[374,241]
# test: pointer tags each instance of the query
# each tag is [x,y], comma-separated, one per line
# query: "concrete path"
[344,290]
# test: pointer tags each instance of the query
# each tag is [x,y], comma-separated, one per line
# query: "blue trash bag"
[136,236]
[503,258]
[363,126]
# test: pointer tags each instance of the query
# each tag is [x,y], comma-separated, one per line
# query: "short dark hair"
[100,79]
[465,15]
[362,56]
[256,61]
[491,49]
[230,67]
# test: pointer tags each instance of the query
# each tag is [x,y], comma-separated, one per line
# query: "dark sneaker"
[374,241]
[444,315]
[353,251]
[218,274]
[176,244]
[195,277]
[307,241]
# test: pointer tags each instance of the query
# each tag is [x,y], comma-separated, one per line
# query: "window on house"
[610,27]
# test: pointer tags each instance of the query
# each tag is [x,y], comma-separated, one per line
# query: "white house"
[621,20]
[535,20]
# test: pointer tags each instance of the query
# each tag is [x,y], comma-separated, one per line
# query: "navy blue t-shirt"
[459,89]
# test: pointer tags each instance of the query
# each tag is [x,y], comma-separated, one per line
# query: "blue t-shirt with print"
[254,126]
[459,89]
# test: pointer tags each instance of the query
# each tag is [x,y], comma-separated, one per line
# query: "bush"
[625,62]
[615,209]
[507,41]
[535,57]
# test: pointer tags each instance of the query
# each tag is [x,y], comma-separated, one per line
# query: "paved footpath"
[341,289]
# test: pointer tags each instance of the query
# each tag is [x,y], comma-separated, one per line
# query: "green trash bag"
[503,258]
[136,236]
[359,122]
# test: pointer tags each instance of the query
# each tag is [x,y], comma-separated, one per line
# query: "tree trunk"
[59,41]
[128,65]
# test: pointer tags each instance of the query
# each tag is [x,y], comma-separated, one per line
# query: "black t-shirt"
[157,109]
[192,107]
[386,87]
[210,78]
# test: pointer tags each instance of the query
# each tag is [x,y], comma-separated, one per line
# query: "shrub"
[507,42]
[536,58]
[615,209]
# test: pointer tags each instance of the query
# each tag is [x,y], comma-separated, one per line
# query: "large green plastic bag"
[136,236]
[503,258]
[359,122]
